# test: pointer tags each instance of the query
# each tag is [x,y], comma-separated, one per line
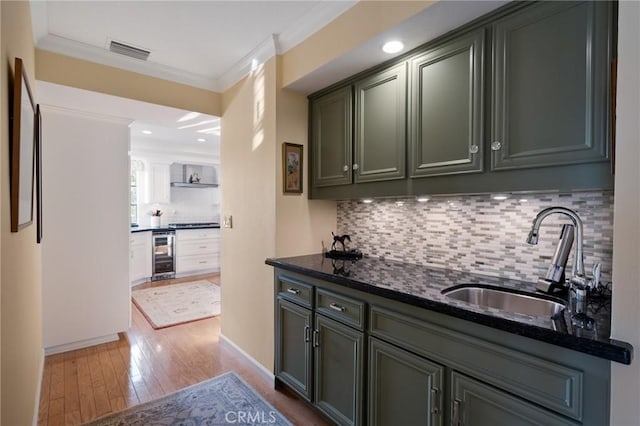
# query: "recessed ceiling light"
[393,46]
[367,201]
[202,140]
[422,199]
[147,132]
[399,203]
[188,116]
[523,200]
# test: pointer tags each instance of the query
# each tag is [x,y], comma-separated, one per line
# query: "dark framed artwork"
[292,175]
[38,175]
[23,127]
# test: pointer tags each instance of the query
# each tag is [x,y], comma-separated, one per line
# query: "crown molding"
[318,17]
[260,54]
[49,108]
[83,51]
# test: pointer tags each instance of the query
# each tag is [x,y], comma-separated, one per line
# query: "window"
[134,197]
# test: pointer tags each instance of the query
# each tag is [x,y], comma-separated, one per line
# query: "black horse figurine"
[339,239]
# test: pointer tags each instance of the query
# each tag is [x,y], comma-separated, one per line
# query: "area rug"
[223,400]
[178,303]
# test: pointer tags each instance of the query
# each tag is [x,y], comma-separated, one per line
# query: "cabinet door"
[331,138]
[380,128]
[403,388]
[159,180]
[550,101]
[478,404]
[446,108]
[339,365]
[293,347]
[140,256]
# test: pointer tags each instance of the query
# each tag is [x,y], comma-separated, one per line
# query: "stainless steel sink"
[507,300]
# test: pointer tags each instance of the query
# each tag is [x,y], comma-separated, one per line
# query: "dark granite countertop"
[169,228]
[422,286]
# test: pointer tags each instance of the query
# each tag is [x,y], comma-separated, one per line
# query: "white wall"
[85,251]
[625,380]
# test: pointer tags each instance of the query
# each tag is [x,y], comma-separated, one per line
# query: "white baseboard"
[265,371]
[36,410]
[81,344]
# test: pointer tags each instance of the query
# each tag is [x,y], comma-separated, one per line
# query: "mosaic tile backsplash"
[478,234]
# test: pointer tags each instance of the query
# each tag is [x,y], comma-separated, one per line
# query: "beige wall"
[625,387]
[257,119]
[21,301]
[248,159]
[301,224]
[345,33]
[68,71]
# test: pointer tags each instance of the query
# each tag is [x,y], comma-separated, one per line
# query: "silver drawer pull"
[203,246]
[293,291]
[307,333]
[203,261]
[336,307]
[316,339]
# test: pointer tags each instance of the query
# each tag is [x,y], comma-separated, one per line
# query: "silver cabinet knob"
[355,167]
[496,145]
[345,168]
[474,149]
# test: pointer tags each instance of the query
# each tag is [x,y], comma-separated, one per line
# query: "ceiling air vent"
[127,50]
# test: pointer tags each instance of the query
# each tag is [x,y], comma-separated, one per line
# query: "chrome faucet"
[578,281]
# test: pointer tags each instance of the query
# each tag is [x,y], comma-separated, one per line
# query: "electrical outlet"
[227,221]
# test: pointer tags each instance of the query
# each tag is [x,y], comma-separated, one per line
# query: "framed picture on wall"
[22,158]
[38,145]
[292,159]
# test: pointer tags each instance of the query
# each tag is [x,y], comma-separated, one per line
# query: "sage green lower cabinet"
[404,389]
[339,368]
[365,359]
[478,404]
[293,347]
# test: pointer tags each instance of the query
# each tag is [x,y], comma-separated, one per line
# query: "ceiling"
[210,44]
[200,43]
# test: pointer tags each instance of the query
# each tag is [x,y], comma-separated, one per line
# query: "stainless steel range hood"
[194,176]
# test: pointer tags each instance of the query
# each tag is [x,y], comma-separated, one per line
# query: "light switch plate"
[227,221]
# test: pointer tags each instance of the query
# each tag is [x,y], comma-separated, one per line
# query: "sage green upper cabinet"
[380,131]
[331,138]
[551,85]
[446,108]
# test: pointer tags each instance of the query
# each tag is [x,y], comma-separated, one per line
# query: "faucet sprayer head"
[533,237]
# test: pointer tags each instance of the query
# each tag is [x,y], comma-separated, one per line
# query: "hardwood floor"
[145,364]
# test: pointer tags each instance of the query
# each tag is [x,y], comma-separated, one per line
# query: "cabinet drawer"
[196,263]
[341,308]
[294,290]
[554,386]
[196,234]
[197,247]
